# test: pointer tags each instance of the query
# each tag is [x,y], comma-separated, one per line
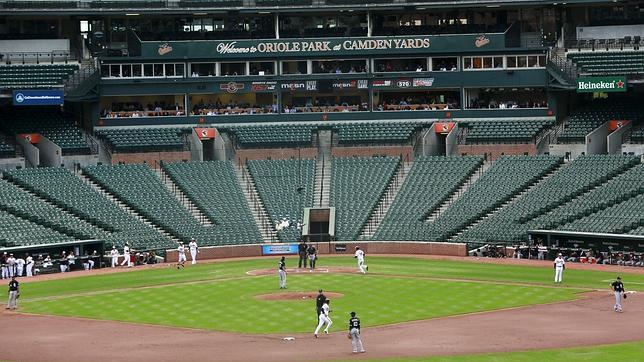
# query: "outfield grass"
[221,296]
[615,352]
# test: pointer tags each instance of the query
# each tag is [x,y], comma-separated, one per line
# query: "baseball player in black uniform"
[313,256]
[319,302]
[354,333]
[301,250]
[13,293]
[618,288]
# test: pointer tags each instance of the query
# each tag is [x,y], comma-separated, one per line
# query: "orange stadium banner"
[443,127]
[206,133]
[614,125]
[33,138]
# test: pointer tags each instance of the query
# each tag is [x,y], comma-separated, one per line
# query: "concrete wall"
[32,153]
[34,45]
[220,147]
[596,142]
[574,150]
[196,146]
[12,163]
[50,153]
[83,160]
[274,153]
[637,149]
[432,144]
[420,248]
[609,32]
[494,151]
[451,142]
[616,138]
[407,152]
[150,157]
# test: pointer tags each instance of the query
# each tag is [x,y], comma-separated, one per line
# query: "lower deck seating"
[571,181]
[285,188]
[429,183]
[524,131]
[16,231]
[213,188]
[30,76]
[68,192]
[357,184]
[254,136]
[142,190]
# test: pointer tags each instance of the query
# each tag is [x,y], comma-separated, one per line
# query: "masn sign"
[601,84]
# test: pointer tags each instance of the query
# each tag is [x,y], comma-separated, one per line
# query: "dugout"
[81,248]
[585,240]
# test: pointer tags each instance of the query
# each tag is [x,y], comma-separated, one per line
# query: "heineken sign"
[601,84]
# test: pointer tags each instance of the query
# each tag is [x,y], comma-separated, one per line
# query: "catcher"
[354,334]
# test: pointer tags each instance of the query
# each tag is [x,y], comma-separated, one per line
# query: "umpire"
[301,250]
[319,302]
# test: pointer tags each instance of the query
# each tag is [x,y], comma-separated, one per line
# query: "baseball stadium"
[322,180]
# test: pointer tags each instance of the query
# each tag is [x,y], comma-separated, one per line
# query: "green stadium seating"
[357,184]
[277,183]
[508,176]
[609,63]
[429,183]
[58,127]
[30,76]
[618,189]
[21,203]
[585,120]
[361,133]
[213,188]
[62,188]
[263,136]
[584,173]
[637,136]
[525,131]
[16,231]
[617,219]
[141,189]
[134,139]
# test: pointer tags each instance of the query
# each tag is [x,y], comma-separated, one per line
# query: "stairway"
[460,191]
[383,206]
[509,202]
[125,207]
[322,185]
[264,223]
[183,199]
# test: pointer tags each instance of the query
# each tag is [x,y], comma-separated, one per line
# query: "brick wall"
[406,151]
[274,153]
[495,151]
[453,249]
[150,157]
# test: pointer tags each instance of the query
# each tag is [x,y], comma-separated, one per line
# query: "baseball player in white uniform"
[194,250]
[30,266]
[126,255]
[324,318]
[182,256]
[560,265]
[360,256]
[115,256]
[20,266]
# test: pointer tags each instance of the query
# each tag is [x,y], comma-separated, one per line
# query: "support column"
[277,25]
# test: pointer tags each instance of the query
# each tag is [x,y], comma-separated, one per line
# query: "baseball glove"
[348,335]
[625,295]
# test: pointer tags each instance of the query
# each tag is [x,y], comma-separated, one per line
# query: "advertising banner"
[279,249]
[614,125]
[263,86]
[33,138]
[443,127]
[38,97]
[602,84]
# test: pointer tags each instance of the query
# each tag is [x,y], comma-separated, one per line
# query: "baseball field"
[411,307]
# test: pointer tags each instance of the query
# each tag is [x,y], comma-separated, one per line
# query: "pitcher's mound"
[297,296]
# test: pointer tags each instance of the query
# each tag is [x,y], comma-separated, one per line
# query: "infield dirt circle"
[586,321]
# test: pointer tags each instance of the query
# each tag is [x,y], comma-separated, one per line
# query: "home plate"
[288,338]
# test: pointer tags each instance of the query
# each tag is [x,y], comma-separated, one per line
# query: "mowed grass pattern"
[230,305]
[222,297]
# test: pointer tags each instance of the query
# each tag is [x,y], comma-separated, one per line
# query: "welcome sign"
[272,48]
[601,84]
